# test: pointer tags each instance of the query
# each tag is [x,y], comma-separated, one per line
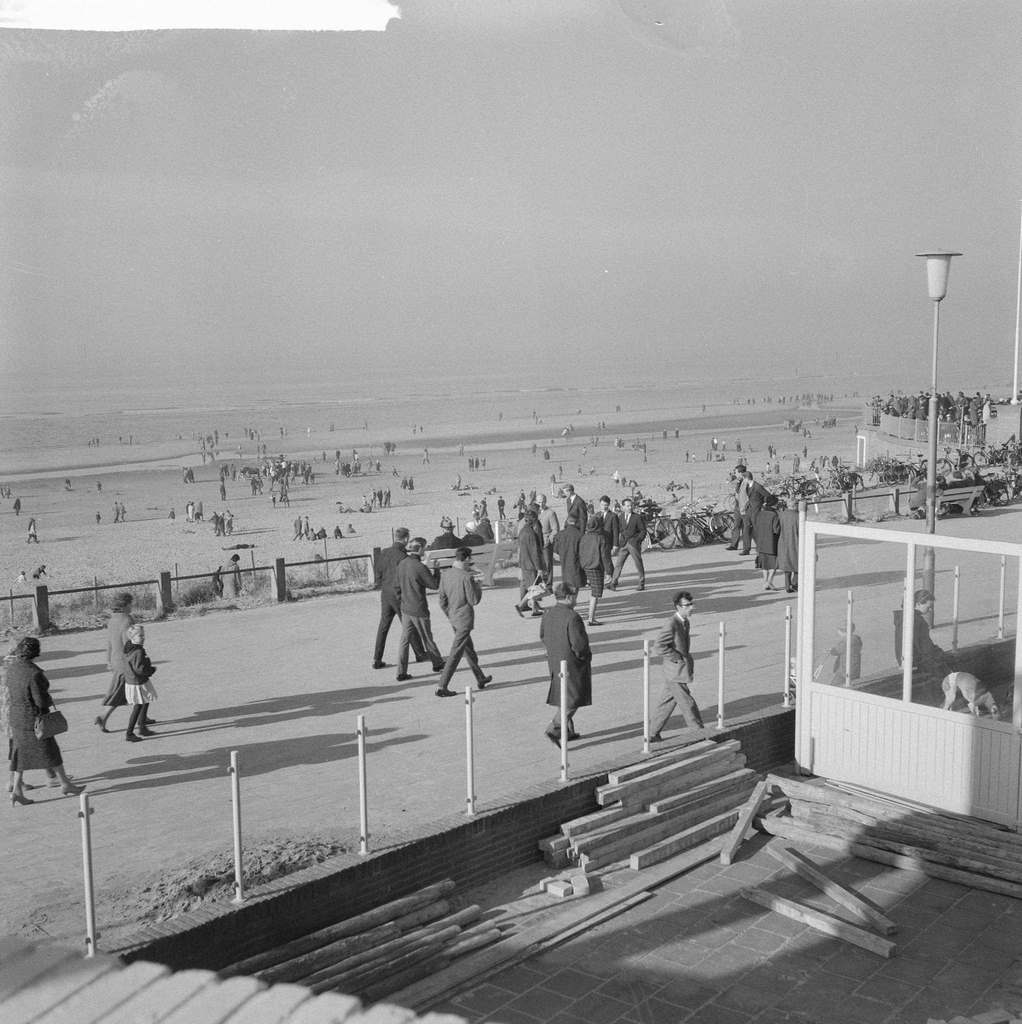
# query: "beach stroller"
[532,597]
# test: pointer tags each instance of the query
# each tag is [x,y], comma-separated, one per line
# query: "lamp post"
[1018,312]
[937,266]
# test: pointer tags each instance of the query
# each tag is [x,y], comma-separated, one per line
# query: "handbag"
[50,724]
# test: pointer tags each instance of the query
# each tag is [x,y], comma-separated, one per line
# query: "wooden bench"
[965,496]
[488,558]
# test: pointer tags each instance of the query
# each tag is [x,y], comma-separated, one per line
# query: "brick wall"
[468,851]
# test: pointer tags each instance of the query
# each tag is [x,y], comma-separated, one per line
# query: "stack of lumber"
[378,952]
[957,849]
[658,808]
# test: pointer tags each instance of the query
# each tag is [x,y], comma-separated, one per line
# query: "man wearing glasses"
[672,643]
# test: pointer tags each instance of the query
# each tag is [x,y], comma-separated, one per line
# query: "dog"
[972,691]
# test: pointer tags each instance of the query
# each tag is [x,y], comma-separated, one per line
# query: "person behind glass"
[138,690]
[28,693]
[116,636]
[928,659]
[672,644]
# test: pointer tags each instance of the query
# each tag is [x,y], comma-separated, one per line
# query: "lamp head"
[937,266]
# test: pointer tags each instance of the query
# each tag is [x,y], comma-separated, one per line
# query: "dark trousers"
[746,535]
[548,563]
[390,608]
[461,645]
[416,630]
[139,714]
[631,548]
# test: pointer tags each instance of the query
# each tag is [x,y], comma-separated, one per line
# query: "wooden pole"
[564,721]
[954,611]
[645,696]
[84,813]
[720,677]
[848,640]
[239,889]
[363,817]
[470,791]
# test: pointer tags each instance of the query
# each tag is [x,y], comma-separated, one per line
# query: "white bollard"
[470,792]
[848,640]
[787,656]
[645,696]
[84,812]
[1000,602]
[239,889]
[564,721]
[954,612]
[720,677]
[363,807]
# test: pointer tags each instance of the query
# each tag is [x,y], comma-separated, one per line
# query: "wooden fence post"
[164,597]
[41,608]
[280,580]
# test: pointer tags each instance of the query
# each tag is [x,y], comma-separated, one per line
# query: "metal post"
[363,809]
[1000,603]
[848,641]
[1016,700]
[720,677]
[645,696]
[470,792]
[84,811]
[954,611]
[908,623]
[239,890]
[564,721]
[929,554]
[787,656]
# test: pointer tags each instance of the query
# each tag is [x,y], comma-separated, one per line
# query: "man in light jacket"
[460,592]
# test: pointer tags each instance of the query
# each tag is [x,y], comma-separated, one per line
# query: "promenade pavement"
[283,686]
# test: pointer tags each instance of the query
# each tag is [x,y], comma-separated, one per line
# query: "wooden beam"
[822,922]
[698,834]
[749,811]
[644,790]
[634,771]
[848,898]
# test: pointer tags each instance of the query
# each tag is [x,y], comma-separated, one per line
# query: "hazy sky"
[656,188]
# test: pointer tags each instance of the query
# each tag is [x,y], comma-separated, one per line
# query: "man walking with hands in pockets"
[460,592]
[672,643]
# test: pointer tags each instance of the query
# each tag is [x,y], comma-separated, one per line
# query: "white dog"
[973,692]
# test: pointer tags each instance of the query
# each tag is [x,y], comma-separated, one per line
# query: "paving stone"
[572,983]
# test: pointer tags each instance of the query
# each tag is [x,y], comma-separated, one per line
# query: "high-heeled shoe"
[99,722]
[71,790]
[19,799]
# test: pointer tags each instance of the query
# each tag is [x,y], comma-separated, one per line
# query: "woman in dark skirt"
[766,528]
[28,691]
[593,555]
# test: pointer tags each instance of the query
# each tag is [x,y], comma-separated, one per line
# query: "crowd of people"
[974,410]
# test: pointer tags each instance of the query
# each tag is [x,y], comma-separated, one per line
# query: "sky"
[619,189]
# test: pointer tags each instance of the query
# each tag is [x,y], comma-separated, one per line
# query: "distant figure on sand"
[32,536]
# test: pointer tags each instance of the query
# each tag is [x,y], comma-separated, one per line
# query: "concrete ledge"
[469,851]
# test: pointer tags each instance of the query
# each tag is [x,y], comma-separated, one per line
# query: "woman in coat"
[593,556]
[787,547]
[564,635]
[566,544]
[766,528]
[116,636]
[28,693]
[530,559]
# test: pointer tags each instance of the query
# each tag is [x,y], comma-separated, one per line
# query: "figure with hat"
[446,540]
[413,581]
[565,638]
[460,592]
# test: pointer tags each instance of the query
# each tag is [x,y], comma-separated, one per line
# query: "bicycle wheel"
[660,534]
[691,532]
[722,524]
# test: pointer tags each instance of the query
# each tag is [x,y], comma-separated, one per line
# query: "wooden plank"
[97,1000]
[657,761]
[739,778]
[591,822]
[215,1002]
[749,810]
[654,828]
[271,1006]
[683,841]
[647,788]
[55,987]
[848,898]
[553,844]
[822,922]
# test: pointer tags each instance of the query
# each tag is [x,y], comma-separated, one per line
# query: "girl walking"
[138,690]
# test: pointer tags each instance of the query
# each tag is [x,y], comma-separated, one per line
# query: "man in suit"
[460,592]
[611,527]
[631,534]
[414,579]
[672,644]
[385,573]
[758,494]
[741,506]
[550,525]
[575,507]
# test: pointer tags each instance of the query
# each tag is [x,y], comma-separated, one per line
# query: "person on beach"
[138,690]
[119,623]
[593,555]
[32,535]
[413,581]
[27,696]
[236,574]
[218,581]
[631,534]
[564,637]
[672,644]
[460,592]
[17,506]
[386,578]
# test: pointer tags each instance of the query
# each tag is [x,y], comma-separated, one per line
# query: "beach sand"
[78,551]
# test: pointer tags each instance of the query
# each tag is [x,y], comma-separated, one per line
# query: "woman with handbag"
[33,722]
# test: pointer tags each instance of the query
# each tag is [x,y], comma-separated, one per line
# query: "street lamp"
[937,266]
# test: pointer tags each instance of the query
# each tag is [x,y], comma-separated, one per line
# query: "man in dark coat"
[576,507]
[672,644]
[446,540]
[758,494]
[565,638]
[610,526]
[631,534]
[566,548]
[531,562]
[413,580]
[385,574]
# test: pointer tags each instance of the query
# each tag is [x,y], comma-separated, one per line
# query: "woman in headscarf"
[138,690]
[28,691]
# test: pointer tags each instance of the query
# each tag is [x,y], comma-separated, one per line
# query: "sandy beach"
[79,549]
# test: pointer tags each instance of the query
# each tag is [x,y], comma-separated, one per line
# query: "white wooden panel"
[952,761]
